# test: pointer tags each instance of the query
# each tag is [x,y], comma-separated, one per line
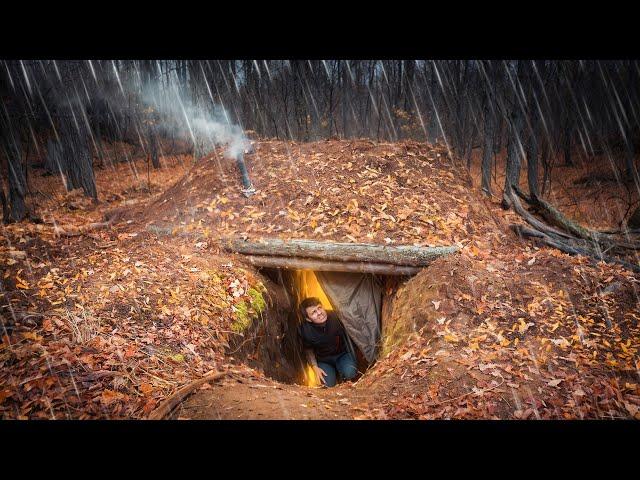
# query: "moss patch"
[246,312]
[257,299]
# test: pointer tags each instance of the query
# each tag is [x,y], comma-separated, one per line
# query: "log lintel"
[295,263]
[402,255]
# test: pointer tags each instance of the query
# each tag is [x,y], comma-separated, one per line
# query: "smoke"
[126,105]
[206,124]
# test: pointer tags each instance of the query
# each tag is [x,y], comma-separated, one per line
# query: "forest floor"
[109,322]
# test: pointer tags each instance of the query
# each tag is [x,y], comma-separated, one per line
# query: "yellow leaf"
[32,336]
[523,327]
[473,251]
[451,338]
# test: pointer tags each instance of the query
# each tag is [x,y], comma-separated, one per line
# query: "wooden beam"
[340,252]
[293,263]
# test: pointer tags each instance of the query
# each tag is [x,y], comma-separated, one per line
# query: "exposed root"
[523,231]
[170,403]
[575,239]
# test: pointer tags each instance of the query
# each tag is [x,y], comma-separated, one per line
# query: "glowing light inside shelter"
[310,287]
[311,379]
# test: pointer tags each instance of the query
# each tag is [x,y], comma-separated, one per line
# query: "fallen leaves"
[554,337]
[561,347]
[124,328]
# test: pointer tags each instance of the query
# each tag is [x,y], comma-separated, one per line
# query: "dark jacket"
[326,340]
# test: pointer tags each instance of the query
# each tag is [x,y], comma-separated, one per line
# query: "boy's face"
[316,314]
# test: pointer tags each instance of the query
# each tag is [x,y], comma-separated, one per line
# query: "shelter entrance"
[356,298]
[357,281]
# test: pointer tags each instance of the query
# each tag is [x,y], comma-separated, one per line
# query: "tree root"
[170,403]
[576,240]
[523,231]
[602,240]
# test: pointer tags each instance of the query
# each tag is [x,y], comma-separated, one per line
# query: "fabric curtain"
[357,299]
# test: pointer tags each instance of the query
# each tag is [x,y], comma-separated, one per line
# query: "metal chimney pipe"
[248,188]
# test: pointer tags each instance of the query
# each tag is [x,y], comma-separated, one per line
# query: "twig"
[162,380]
[241,345]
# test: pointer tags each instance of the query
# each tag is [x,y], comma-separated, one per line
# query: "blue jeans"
[344,363]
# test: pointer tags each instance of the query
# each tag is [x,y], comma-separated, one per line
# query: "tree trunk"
[17,187]
[498,136]
[343,99]
[54,159]
[17,179]
[487,153]
[634,219]
[434,123]
[153,150]
[546,168]
[629,155]
[74,158]
[532,162]
[340,252]
[566,146]
[5,205]
[512,176]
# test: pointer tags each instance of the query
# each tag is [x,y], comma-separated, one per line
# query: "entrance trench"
[271,343]
[270,346]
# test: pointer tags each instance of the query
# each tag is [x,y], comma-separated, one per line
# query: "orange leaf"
[4,394]
[146,389]
[149,406]
[109,396]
